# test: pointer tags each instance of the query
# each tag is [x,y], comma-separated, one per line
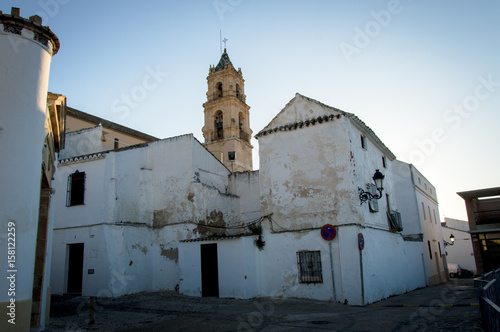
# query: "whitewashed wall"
[247,188]
[24,78]
[461,251]
[407,198]
[139,203]
[309,177]
[431,225]
[415,191]
[237,268]
[391,265]
[83,142]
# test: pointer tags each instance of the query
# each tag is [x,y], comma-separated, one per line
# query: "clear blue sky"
[424,75]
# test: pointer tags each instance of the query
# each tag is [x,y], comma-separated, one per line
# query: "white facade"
[155,210]
[461,251]
[311,165]
[313,158]
[417,201]
[139,203]
[26,51]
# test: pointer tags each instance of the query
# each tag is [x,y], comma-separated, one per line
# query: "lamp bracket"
[367,196]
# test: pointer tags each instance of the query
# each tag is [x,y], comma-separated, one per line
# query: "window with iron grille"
[75,194]
[309,263]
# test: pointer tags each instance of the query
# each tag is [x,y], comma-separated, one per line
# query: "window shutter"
[68,190]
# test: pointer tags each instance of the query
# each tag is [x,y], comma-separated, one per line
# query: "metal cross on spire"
[225,41]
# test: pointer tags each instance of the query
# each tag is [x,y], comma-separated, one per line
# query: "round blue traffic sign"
[361,241]
[328,232]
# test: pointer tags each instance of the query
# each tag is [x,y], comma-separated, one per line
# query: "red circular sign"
[328,232]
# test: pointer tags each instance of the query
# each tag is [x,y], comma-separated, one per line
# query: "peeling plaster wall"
[140,202]
[247,187]
[305,177]
[310,177]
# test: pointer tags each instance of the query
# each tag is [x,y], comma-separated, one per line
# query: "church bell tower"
[227,130]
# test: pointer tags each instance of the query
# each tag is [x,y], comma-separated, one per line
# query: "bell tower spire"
[227,117]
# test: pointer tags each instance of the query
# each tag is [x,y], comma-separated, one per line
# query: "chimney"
[16,12]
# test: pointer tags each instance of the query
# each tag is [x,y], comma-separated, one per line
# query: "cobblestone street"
[447,307]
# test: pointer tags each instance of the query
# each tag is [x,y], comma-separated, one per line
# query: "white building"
[313,159]
[121,213]
[417,202]
[168,214]
[31,124]
[460,252]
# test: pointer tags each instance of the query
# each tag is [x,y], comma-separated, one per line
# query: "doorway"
[209,270]
[75,268]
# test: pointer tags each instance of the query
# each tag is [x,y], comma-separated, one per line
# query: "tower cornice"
[224,99]
[15,24]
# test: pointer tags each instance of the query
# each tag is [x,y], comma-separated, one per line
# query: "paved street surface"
[448,307]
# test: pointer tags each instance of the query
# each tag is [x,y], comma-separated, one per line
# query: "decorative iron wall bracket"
[367,196]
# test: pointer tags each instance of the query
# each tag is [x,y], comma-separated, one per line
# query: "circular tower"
[26,50]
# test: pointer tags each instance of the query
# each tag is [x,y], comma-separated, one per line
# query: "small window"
[309,264]
[430,217]
[363,142]
[423,210]
[237,90]
[240,121]
[430,250]
[440,252]
[419,182]
[117,143]
[425,186]
[76,189]
[219,125]
[384,162]
[435,219]
[219,90]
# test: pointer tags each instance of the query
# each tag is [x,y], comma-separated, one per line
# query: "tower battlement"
[29,29]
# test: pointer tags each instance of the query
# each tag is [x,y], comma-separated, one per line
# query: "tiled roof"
[335,113]
[213,238]
[108,124]
[223,62]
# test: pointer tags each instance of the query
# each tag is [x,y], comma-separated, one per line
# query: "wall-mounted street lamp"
[452,241]
[365,195]
[231,156]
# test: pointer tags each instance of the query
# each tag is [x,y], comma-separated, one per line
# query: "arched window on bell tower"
[218,125]
[241,125]
[219,90]
[238,91]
